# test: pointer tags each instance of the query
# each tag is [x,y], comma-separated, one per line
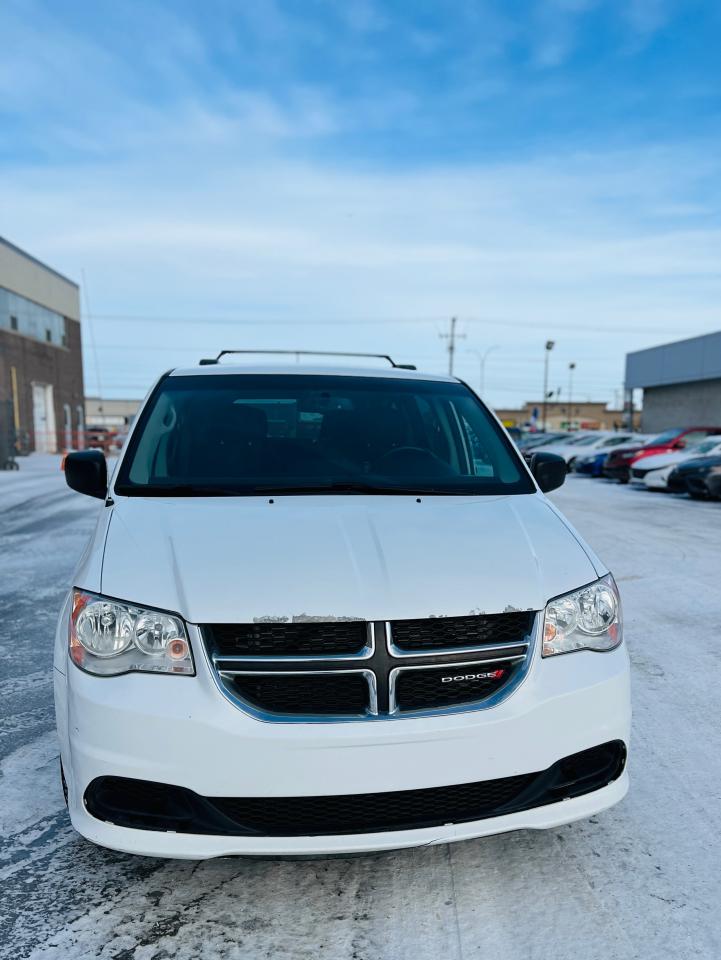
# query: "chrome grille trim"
[220,659]
[377,660]
[364,654]
[459,708]
[368,676]
[395,651]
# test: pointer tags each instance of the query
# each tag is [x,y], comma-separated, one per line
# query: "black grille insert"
[287,639]
[356,669]
[444,633]
[324,694]
[423,689]
[155,806]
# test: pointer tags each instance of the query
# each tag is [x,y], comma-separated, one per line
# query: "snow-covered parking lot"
[640,881]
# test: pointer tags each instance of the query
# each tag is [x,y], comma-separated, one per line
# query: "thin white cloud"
[647,16]
[585,241]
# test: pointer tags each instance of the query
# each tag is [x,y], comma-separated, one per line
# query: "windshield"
[663,438]
[615,441]
[232,434]
[705,446]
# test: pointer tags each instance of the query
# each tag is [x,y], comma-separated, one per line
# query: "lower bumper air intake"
[145,805]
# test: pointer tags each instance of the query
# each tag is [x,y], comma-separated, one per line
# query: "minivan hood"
[227,559]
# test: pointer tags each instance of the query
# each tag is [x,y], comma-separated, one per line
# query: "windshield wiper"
[343,486]
[208,490]
[180,490]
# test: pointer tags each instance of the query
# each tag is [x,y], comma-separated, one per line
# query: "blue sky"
[349,175]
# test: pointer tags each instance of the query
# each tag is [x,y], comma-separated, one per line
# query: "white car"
[588,443]
[327,610]
[653,472]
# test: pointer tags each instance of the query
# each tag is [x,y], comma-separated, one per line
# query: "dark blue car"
[591,465]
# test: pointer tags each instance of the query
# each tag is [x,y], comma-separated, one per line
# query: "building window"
[29,319]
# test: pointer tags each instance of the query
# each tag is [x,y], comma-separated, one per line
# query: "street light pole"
[571,368]
[550,344]
[482,365]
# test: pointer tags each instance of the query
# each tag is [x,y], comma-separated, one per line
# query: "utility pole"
[571,368]
[550,344]
[451,337]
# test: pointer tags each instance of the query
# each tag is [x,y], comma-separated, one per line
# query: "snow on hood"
[368,557]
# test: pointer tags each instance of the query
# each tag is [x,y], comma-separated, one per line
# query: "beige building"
[113,414]
[587,415]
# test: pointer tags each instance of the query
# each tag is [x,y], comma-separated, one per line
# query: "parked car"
[99,438]
[653,472]
[602,444]
[592,464]
[560,445]
[532,440]
[329,610]
[713,483]
[618,464]
[582,444]
[692,477]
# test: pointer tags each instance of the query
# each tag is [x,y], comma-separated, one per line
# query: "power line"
[381,321]
[516,358]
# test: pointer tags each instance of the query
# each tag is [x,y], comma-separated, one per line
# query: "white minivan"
[330,609]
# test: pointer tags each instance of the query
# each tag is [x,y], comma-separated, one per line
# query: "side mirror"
[87,472]
[549,470]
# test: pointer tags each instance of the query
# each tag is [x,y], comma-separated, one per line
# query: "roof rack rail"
[210,361]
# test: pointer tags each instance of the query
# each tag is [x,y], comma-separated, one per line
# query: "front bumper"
[656,480]
[182,731]
[622,473]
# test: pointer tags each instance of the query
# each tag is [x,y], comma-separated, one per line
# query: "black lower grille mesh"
[449,686]
[286,639]
[371,812]
[155,806]
[335,694]
[439,633]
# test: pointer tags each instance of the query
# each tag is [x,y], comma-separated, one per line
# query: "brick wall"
[40,362]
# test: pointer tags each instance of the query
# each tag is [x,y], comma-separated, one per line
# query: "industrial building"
[110,413]
[585,415]
[681,383]
[41,369]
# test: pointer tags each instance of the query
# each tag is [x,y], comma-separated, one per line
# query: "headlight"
[108,637]
[587,619]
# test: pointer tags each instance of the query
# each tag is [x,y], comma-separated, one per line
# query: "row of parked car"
[685,460]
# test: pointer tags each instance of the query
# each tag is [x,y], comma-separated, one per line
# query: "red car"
[618,463]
